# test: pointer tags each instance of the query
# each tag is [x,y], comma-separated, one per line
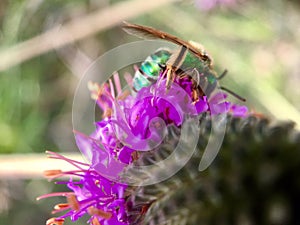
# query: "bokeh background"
[45,46]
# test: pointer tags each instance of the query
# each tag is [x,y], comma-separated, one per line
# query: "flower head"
[90,193]
[131,123]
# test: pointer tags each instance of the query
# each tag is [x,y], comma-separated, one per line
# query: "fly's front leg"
[170,77]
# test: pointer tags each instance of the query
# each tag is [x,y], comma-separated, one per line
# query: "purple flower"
[92,194]
[138,123]
[218,104]
[130,124]
[134,123]
[238,110]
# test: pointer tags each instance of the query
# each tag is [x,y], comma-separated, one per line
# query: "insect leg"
[174,63]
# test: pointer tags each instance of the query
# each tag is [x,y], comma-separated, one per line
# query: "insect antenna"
[226,89]
[232,93]
[222,75]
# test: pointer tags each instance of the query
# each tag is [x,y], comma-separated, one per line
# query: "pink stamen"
[75,163]
[112,91]
[117,83]
[55,194]
[90,138]
[128,79]
[64,173]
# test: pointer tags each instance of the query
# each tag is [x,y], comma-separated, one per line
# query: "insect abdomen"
[150,69]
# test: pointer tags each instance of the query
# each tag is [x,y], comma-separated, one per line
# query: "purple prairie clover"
[238,110]
[90,193]
[201,103]
[134,122]
[104,151]
[218,104]
[137,123]
[131,123]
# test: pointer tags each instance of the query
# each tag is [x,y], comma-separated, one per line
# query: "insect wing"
[151,33]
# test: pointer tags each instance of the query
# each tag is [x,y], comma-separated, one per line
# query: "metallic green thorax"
[191,62]
[151,68]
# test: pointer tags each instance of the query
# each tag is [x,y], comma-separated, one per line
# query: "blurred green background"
[257,41]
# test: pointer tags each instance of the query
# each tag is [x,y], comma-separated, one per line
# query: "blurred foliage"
[257,41]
